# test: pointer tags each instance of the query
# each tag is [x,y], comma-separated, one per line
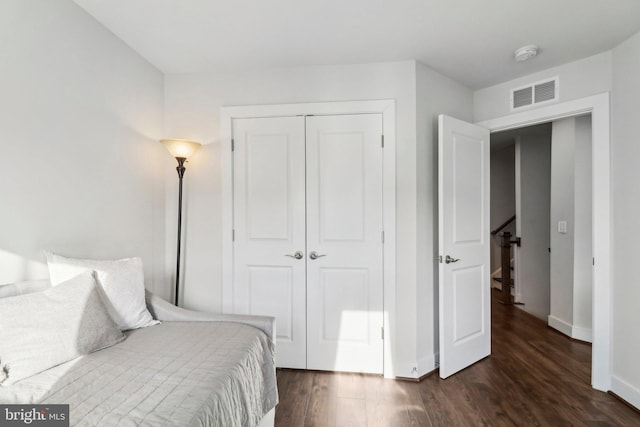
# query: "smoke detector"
[525,52]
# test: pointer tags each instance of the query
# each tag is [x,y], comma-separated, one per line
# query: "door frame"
[598,106]
[387,109]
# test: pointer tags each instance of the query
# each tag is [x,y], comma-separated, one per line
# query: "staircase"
[504,277]
[496,276]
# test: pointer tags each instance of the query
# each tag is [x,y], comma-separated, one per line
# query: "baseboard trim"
[560,325]
[629,405]
[626,392]
[573,332]
[424,367]
[582,334]
[420,378]
[427,364]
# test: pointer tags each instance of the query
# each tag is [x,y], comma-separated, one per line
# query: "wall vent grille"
[535,93]
[523,97]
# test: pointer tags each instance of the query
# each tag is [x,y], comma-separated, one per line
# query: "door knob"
[449,260]
[296,255]
[316,255]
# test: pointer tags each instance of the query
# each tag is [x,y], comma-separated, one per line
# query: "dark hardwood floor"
[534,377]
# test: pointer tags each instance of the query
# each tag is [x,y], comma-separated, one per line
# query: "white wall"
[626,227]
[571,252]
[533,198]
[80,116]
[562,209]
[578,79]
[583,235]
[192,108]
[503,196]
[436,94]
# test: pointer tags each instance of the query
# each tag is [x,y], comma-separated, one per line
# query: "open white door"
[464,292]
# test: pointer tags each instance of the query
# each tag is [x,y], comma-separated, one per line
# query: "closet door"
[269,228]
[344,229]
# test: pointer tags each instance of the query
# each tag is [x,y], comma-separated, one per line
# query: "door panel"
[344,224]
[464,298]
[468,314]
[344,304]
[269,224]
[341,186]
[467,190]
[268,190]
[271,291]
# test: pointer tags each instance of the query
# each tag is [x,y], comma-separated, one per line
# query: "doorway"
[521,192]
[541,176]
[384,109]
[598,106]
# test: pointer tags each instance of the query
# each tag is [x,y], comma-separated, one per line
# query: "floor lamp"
[181,150]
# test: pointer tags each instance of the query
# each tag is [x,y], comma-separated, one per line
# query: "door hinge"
[382,141]
[233,145]
[233,235]
[593,261]
[382,331]
[383,237]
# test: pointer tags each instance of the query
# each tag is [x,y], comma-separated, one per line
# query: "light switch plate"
[562,227]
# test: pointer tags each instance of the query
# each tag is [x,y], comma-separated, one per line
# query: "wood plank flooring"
[534,377]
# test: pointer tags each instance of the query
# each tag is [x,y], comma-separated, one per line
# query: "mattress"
[172,374]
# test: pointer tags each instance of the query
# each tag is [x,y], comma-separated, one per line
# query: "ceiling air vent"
[535,93]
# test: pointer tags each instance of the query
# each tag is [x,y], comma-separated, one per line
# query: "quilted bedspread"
[172,374]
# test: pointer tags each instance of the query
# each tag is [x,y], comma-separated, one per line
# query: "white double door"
[308,236]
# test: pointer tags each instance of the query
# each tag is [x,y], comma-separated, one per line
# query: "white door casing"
[344,226]
[269,198]
[599,108]
[384,107]
[464,288]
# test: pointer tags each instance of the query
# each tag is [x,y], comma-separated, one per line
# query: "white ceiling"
[471,41]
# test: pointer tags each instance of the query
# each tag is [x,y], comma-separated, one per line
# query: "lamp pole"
[180,168]
[181,150]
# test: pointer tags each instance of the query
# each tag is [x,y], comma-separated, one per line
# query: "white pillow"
[43,329]
[121,280]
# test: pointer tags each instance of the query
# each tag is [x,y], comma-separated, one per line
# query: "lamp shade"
[180,148]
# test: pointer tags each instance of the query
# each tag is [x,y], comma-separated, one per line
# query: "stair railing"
[503,225]
[505,255]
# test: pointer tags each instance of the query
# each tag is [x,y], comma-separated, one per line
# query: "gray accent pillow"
[121,283]
[44,329]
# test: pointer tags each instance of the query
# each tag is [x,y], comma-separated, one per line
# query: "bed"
[193,369]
